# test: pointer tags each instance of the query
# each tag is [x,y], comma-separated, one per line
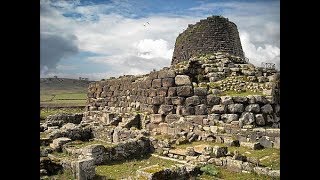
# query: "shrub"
[210,170]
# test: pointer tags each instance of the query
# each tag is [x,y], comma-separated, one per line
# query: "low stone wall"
[180,172]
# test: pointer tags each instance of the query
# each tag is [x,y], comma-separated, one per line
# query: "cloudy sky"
[98,39]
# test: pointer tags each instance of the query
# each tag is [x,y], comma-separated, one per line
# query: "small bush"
[210,170]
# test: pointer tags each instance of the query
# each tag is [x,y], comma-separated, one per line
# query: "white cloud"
[125,45]
[148,49]
[66,67]
[257,55]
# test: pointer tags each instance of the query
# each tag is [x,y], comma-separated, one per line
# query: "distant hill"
[52,85]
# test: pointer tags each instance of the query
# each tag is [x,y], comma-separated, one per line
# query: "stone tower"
[213,34]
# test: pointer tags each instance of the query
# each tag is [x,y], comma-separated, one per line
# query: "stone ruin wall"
[207,36]
[172,101]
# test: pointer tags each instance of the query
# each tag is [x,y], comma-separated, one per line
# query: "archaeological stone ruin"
[210,93]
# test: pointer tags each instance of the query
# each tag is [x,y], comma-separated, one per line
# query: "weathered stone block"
[240,99]
[260,99]
[219,151]
[172,91]
[214,117]
[157,118]
[235,108]
[158,100]
[195,119]
[228,118]
[234,165]
[265,142]
[184,91]
[193,100]
[201,109]
[95,151]
[200,91]
[226,100]
[246,118]
[260,121]
[166,109]
[168,100]
[170,118]
[214,129]
[255,108]
[168,82]
[84,169]
[267,109]
[57,143]
[181,80]
[220,109]
[252,145]
[163,128]
[152,92]
[162,91]
[166,74]
[156,83]
[213,100]
[177,100]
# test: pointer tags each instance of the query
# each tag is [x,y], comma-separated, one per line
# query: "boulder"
[177,100]
[201,109]
[156,83]
[226,100]
[172,91]
[166,74]
[255,108]
[213,100]
[235,108]
[168,82]
[252,145]
[246,118]
[219,151]
[240,99]
[56,144]
[267,109]
[166,109]
[181,80]
[260,121]
[193,100]
[156,118]
[200,91]
[228,118]
[220,109]
[265,142]
[95,151]
[184,91]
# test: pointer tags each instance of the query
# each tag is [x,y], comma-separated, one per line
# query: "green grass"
[69,102]
[71,96]
[229,175]
[118,170]
[43,134]
[46,112]
[81,144]
[273,160]
[62,155]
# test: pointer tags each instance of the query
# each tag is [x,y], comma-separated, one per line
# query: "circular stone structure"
[214,34]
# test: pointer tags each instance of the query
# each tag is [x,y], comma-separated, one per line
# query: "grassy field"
[118,170]
[268,157]
[229,175]
[63,92]
[46,112]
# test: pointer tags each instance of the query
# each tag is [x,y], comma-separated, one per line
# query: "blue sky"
[99,39]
